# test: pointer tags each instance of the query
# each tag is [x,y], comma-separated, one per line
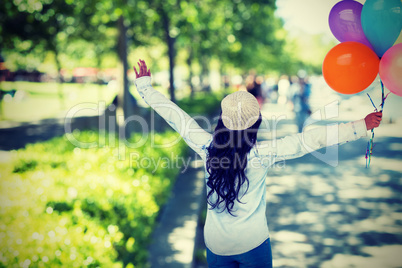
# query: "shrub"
[61,205]
[202,103]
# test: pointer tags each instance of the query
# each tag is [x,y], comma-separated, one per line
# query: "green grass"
[36,101]
[64,206]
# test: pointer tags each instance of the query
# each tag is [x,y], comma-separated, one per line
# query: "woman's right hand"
[373,120]
[143,70]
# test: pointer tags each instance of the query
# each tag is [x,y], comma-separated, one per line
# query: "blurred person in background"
[269,89]
[283,88]
[300,93]
[253,86]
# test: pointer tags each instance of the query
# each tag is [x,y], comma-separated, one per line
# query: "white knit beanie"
[240,110]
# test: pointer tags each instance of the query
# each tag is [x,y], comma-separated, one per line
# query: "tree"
[251,41]
[165,19]
[241,34]
[54,26]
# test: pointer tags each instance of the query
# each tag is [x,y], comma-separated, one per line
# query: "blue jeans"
[260,257]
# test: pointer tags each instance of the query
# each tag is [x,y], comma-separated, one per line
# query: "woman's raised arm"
[187,127]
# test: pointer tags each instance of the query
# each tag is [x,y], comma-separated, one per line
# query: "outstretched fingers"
[136,73]
[146,72]
[142,69]
[144,65]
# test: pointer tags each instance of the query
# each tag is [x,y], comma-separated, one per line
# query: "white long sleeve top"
[225,234]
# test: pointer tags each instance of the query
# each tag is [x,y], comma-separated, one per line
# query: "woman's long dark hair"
[226,162]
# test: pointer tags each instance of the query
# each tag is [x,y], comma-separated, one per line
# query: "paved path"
[173,239]
[16,135]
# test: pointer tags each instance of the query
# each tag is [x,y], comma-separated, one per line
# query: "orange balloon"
[350,67]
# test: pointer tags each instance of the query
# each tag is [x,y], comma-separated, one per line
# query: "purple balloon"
[345,22]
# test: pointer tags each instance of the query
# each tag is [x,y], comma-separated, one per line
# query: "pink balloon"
[391,69]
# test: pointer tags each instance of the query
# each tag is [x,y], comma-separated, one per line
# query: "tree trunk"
[171,51]
[204,74]
[125,101]
[190,76]
[99,81]
[224,77]
[59,79]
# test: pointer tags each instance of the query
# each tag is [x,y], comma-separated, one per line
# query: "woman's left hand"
[373,120]
[143,70]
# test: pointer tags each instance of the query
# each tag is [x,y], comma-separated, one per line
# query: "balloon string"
[382,96]
[369,150]
[370,144]
[375,108]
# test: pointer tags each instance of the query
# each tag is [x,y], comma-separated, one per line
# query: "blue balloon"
[382,23]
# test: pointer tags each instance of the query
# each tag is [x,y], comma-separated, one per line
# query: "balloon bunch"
[369,45]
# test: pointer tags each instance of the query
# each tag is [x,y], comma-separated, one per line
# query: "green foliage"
[202,103]
[24,166]
[201,256]
[64,206]
[241,34]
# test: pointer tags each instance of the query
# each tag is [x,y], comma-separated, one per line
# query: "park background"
[64,205]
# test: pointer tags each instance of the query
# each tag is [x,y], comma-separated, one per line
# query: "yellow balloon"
[399,40]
